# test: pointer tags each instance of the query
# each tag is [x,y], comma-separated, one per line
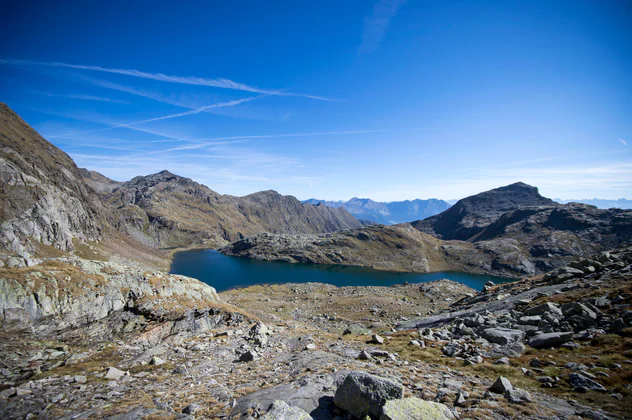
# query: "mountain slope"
[471,215]
[531,237]
[388,213]
[42,195]
[167,210]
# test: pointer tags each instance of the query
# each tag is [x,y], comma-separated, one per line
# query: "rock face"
[469,216]
[73,297]
[168,210]
[387,213]
[362,394]
[42,196]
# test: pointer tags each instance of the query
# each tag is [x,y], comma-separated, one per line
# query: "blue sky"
[383,99]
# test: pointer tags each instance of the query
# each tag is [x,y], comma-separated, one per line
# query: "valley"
[93,325]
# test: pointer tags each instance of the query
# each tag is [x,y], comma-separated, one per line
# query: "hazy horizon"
[390,100]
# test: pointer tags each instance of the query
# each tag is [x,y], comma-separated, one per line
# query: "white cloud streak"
[186,80]
[164,117]
[81,97]
[625,143]
[375,26]
[268,136]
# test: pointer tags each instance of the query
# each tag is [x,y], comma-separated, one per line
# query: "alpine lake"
[225,272]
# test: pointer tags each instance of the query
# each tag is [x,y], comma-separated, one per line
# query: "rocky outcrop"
[89,300]
[394,248]
[505,316]
[42,196]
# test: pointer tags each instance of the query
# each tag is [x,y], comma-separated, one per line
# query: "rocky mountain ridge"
[387,213]
[502,238]
[49,204]
[172,211]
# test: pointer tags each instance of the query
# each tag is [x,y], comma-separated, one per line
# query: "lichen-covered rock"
[415,409]
[71,296]
[362,394]
[279,410]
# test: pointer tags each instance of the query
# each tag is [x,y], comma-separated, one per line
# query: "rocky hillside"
[48,202]
[529,240]
[42,195]
[388,213]
[557,346]
[167,210]
[471,215]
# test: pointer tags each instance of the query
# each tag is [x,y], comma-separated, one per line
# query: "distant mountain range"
[387,213]
[621,203]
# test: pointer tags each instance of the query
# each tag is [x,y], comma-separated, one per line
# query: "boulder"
[415,409]
[114,373]
[502,335]
[279,410]
[362,394]
[516,396]
[501,385]
[546,308]
[581,382]
[248,356]
[376,339]
[548,340]
[312,395]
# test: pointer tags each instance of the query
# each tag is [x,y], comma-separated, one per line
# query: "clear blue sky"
[332,99]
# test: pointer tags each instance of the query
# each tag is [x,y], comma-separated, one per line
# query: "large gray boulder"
[415,409]
[501,385]
[502,335]
[546,308]
[279,410]
[362,394]
[548,340]
[579,381]
[310,395]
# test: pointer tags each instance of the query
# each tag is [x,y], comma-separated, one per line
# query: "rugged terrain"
[555,346]
[167,210]
[471,215]
[510,231]
[387,213]
[90,328]
[50,205]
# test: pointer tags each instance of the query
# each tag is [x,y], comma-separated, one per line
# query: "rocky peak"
[471,215]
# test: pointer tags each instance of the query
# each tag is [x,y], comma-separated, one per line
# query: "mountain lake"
[225,272]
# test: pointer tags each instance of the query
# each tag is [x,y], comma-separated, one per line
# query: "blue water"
[225,272]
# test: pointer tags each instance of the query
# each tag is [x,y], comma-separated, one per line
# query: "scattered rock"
[580,382]
[114,374]
[517,395]
[548,340]
[501,385]
[363,394]
[376,339]
[415,409]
